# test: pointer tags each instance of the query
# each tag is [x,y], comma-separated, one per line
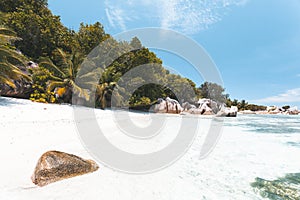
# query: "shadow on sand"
[6,101]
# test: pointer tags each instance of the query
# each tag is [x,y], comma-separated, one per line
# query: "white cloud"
[298,75]
[110,18]
[290,96]
[192,16]
[186,16]
[116,18]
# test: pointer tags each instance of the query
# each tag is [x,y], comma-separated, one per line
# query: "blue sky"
[255,44]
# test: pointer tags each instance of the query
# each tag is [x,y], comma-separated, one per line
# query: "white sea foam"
[244,152]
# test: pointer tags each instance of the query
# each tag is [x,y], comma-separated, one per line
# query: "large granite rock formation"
[167,106]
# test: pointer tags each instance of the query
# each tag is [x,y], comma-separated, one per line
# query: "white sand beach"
[28,129]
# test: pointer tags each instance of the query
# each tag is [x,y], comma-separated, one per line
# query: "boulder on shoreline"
[201,107]
[55,166]
[228,112]
[167,106]
[293,111]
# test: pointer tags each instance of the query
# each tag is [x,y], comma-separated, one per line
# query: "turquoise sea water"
[273,124]
[288,185]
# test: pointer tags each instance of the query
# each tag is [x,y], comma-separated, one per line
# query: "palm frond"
[48,64]
[55,78]
[12,72]
[7,81]
[51,85]
[15,57]
[7,35]
[9,58]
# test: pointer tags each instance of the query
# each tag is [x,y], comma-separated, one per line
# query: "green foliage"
[254,107]
[40,30]
[142,101]
[243,105]
[90,36]
[61,54]
[103,94]
[133,66]
[40,78]
[14,5]
[212,91]
[286,107]
[9,58]
[64,74]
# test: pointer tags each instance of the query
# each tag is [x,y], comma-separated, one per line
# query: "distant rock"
[173,106]
[201,107]
[55,166]
[205,109]
[293,111]
[214,107]
[228,112]
[167,106]
[273,110]
[187,106]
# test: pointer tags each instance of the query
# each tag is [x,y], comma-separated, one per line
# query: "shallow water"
[287,187]
[281,124]
[284,128]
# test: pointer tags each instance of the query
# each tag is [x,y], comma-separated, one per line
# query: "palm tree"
[104,93]
[64,76]
[9,58]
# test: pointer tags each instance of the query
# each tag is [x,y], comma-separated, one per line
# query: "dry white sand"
[27,130]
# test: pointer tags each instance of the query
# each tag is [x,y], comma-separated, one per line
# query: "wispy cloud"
[298,75]
[187,16]
[290,96]
[192,16]
[116,18]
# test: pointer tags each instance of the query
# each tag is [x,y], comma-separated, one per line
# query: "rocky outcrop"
[55,166]
[228,112]
[23,89]
[187,106]
[214,107]
[274,110]
[167,106]
[293,111]
[202,107]
[205,109]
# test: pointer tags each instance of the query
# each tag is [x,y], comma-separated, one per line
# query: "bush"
[40,77]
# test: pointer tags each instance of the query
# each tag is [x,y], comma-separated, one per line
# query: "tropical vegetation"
[71,70]
[9,57]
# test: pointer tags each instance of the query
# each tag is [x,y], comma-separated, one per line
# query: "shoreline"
[27,130]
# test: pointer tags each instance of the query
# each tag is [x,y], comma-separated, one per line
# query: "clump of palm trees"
[69,83]
[64,75]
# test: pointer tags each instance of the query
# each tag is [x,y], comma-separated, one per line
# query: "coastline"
[29,129]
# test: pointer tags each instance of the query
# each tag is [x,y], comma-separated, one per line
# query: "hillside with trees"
[29,31]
